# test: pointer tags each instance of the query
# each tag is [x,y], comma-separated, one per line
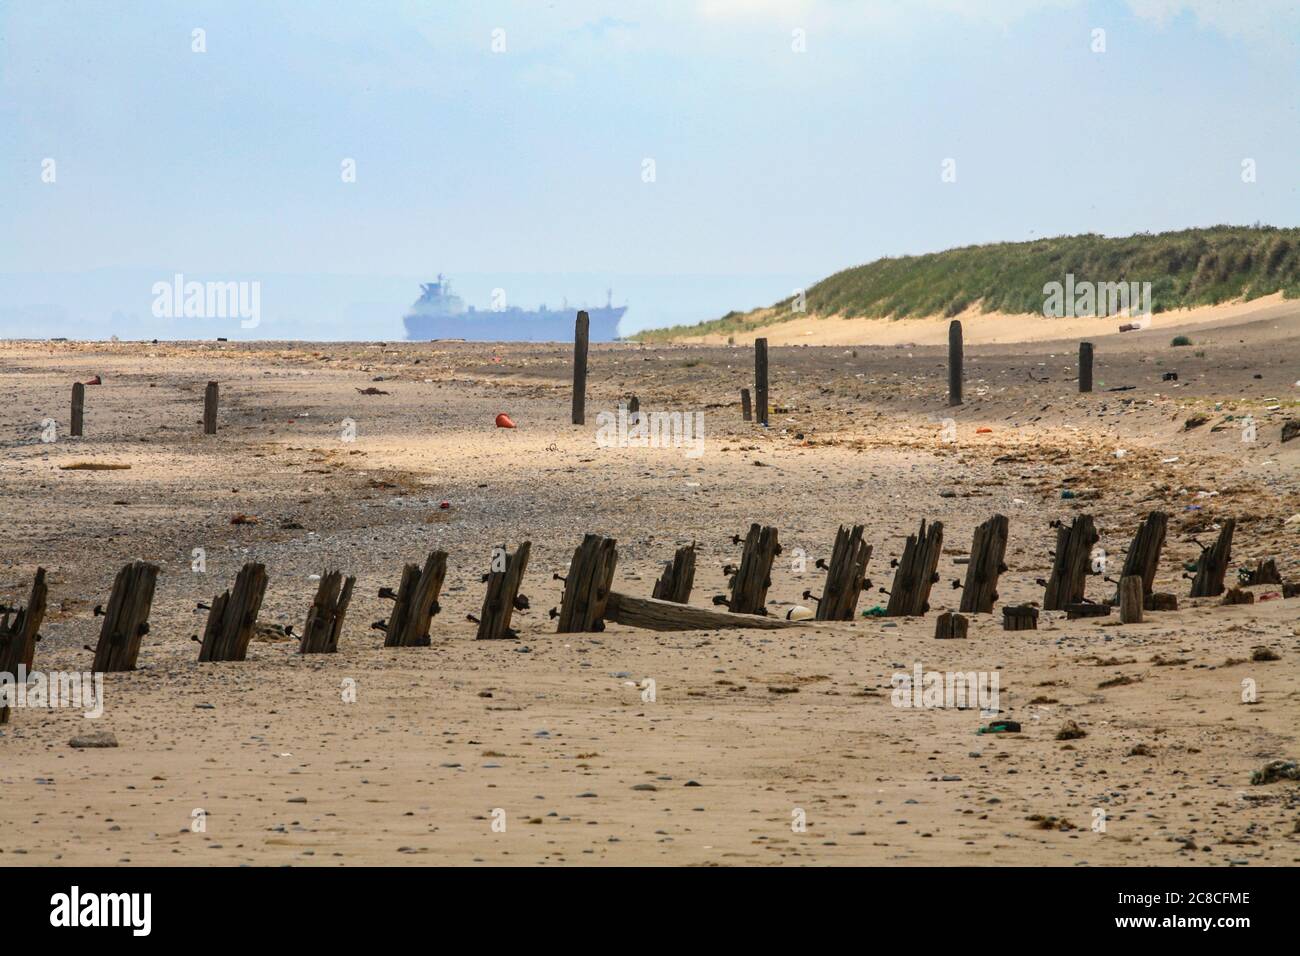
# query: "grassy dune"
[1187,268]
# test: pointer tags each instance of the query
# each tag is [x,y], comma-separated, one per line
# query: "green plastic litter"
[876,611]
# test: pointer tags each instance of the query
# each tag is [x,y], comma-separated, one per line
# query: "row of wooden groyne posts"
[589,599]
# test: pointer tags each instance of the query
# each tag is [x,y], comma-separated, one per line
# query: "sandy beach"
[549,737]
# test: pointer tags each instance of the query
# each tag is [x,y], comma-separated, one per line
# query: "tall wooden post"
[210,409]
[1085,366]
[954,362]
[581,330]
[78,408]
[760,379]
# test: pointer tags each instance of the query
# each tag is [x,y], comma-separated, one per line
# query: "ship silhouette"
[441,314]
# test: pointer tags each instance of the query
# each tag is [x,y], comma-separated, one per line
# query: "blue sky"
[771,166]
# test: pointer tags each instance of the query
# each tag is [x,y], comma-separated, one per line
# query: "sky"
[696,155]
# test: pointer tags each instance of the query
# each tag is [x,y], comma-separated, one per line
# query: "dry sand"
[551,729]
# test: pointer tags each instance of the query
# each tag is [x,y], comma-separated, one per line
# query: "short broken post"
[845,576]
[233,616]
[580,333]
[1131,599]
[1070,563]
[1213,563]
[18,638]
[955,358]
[78,409]
[753,577]
[987,552]
[746,410]
[503,597]
[760,379]
[950,626]
[591,573]
[210,409]
[126,621]
[678,578]
[415,603]
[909,595]
[1019,617]
[320,635]
[1085,366]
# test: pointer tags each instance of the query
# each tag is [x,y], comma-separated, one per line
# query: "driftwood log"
[320,635]
[656,615]
[910,594]
[678,579]
[1070,563]
[18,637]
[126,621]
[1213,563]
[233,616]
[503,596]
[986,565]
[591,573]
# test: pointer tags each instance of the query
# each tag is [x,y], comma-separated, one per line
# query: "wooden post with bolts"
[986,565]
[591,573]
[1085,366]
[320,635]
[760,379]
[210,409]
[503,595]
[678,578]
[18,638]
[1144,552]
[1070,563]
[233,616]
[955,358]
[126,621]
[909,595]
[78,409]
[1213,563]
[581,330]
[754,576]
[845,575]
[416,602]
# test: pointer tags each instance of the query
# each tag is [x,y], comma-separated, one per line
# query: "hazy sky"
[766,160]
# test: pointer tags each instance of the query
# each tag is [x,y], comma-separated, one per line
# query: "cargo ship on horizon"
[440,314]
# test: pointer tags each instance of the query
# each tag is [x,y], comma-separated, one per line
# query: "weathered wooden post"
[581,329]
[678,578]
[233,616]
[845,576]
[1070,563]
[1019,617]
[18,639]
[909,595]
[760,379]
[1085,366]
[1213,563]
[503,597]
[746,412]
[416,602]
[986,565]
[320,635]
[210,409]
[751,580]
[1144,552]
[633,410]
[78,408]
[591,573]
[126,621]
[1130,599]
[954,362]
